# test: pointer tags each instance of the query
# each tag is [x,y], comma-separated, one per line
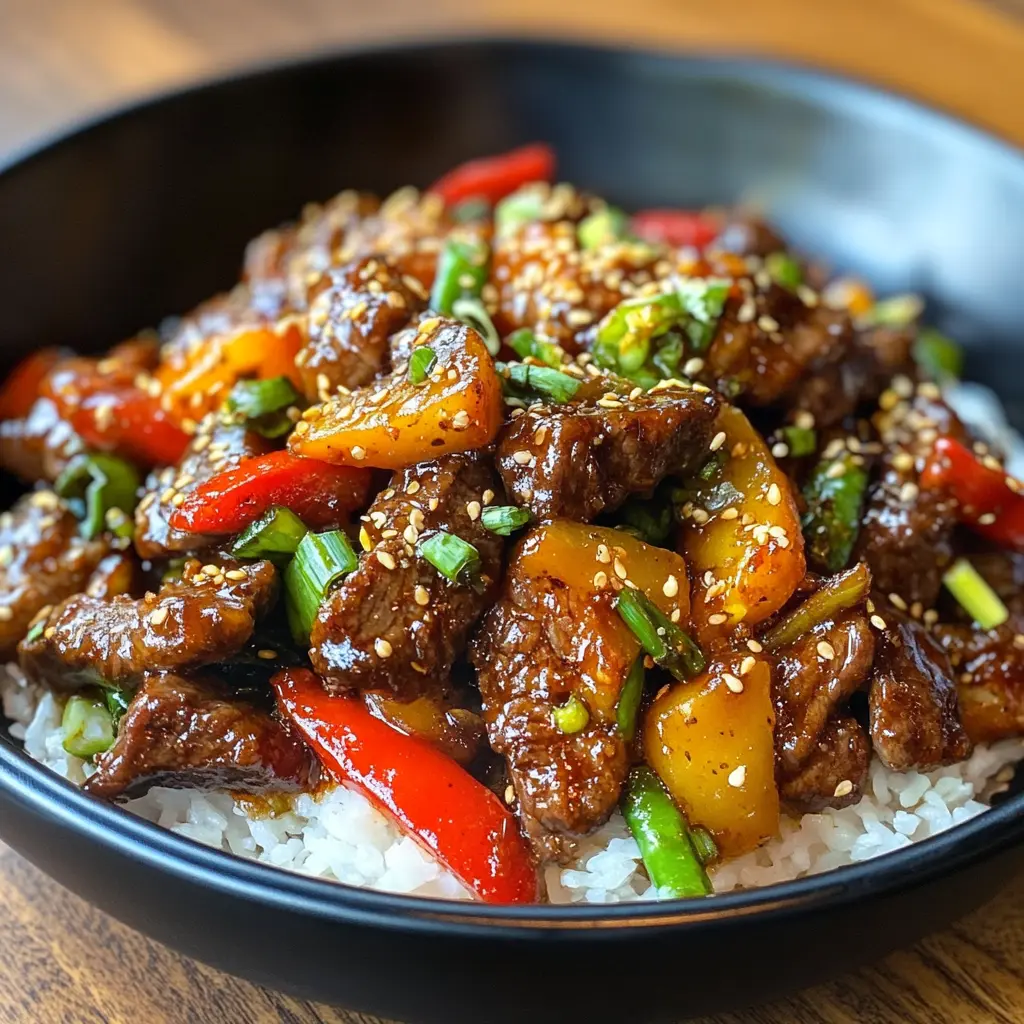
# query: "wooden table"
[60,960]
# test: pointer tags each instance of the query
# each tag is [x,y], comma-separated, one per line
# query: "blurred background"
[61,60]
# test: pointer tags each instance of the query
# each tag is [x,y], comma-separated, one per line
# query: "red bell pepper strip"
[494,177]
[318,493]
[130,422]
[457,819]
[988,500]
[24,383]
[675,227]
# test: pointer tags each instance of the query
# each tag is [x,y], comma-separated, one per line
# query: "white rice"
[340,835]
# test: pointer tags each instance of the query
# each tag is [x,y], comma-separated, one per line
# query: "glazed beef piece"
[353,311]
[117,573]
[915,715]
[191,733]
[906,534]
[580,459]
[813,679]
[396,624]
[204,617]
[43,559]
[39,446]
[216,447]
[836,770]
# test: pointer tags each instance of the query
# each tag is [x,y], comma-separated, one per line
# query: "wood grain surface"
[60,60]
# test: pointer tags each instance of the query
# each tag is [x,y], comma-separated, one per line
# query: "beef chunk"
[582,458]
[353,312]
[216,447]
[204,617]
[915,717]
[906,535]
[39,446]
[43,559]
[117,573]
[815,677]
[190,733]
[396,624]
[836,770]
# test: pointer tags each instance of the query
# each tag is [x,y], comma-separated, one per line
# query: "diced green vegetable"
[276,534]
[939,357]
[601,227]
[35,631]
[800,441]
[94,484]
[471,311]
[521,207]
[704,301]
[117,702]
[834,596]
[784,270]
[421,362]
[572,716]
[88,726]
[651,517]
[664,838]
[504,520]
[538,380]
[451,556]
[525,343]
[705,845]
[668,355]
[897,311]
[264,405]
[668,644]
[834,493]
[977,598]
[628,709]
[461,271]
[321,559]
[470,210]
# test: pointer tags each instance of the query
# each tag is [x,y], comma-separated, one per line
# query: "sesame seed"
[845,788]
[747,664]
[734,683]
[836,470]
[826,650]
[987,519]
[210,570]
[522,458]
[738,776]
[753,645]
[603,554]
[620,569]
[767,323]
[510,794]
[50,632]
[6,555]
[487,497]
[878,622]
[693,366]
[730,513]
[804,420]
[410,534]
[6,613]
[908,492]
[717,441]
[235,574]
[158,616]
[897,601]
[473,510]
[302,427]
[780,450]
[386,559]
[358,453]
[422,596]
[717,619]
[774,495]
[671,587]
[461,420]
[412,487]
[903,462]
[600,579]
[382,647]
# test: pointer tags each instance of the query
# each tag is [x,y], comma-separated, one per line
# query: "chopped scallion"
[35,631]
[668,355]
[601,227]
[628,708]
[421,362]
[704,301]
[572,716]
[470,311]
[451,556]
[539,380]
[88,726]
[519,208]
[256,398]
[940,357]
[525,343]
[94,484]
[321,559]
[504,519]
[661,638]
[652,517]
[800,441]
[704,843]
[461,271]
[978,599]
[784,270]
[117,702]
[275,534]
[835,595]
[897,311]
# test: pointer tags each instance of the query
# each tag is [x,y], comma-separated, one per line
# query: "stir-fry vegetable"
[988,500]
[652,517]
[896,311]
[661,832]
[939,357]
[321,559]
[834,493]
[318,493]
[461,271]
[628,710]
[274,535]
[572,716]
[504,520]
[96,486]
[978,599]
[668,644]
[24,383]
[608,224]
[451,556]
[711,742]
[437,802]
[493,178]
[526,344]
[784,270]
[421,363]
[538,381]
[117,702]
[262,404]
[88,726]
[675,227]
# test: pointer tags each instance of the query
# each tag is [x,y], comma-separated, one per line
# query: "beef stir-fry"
[513,511]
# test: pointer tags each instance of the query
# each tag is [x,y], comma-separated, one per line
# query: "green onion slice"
[421,362]
[572,716]
[977,598]
[504,520]
[784,270]
[539,380]
[652,518]
[628,709]
[35,631]
[276,533]
[661,638]
[940,357]
[704,301]
[117,702]
[521,207]
[668,355]
[451,556]
[835,595]
[601,227]
[704,843]
[321,559]
[461,271]
[470,311]
[525,343]
[95,484]
[897,311]
[834,502]
[800,441]
[263,404]
[88,726]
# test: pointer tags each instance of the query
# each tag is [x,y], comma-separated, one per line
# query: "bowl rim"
[41,791]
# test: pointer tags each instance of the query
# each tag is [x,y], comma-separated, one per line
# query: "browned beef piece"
[204,617]
[396,624]
[43,559]
[906,534]
[216,447]
[915,716]
[580,459]
[537,646]
[191,733]
[117,573]
[836,771]
[815,677]
[353,311]
[39,446]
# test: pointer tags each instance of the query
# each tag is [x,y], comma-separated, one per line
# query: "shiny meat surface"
[396,624]
[216,447]
[190,733]
[39,446]
[835,771]
[43,559]
[915,716]
[580,459]
[204,617]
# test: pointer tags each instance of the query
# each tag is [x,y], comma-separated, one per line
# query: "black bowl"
[145,213]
